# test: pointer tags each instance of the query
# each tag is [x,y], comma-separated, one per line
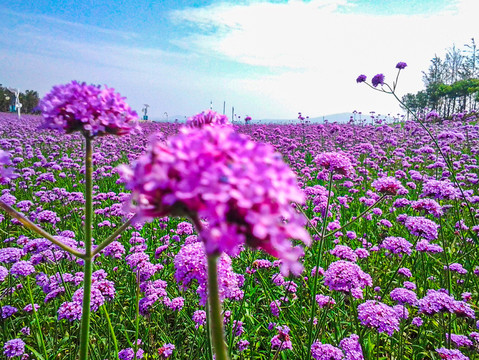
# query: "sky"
[268,59]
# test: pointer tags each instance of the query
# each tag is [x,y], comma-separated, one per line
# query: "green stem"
[318,260]
[29,225]
[36,318]
[85,321]
[216,324]
[112,331]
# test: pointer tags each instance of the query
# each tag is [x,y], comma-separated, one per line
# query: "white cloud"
[305,56]
[316,51]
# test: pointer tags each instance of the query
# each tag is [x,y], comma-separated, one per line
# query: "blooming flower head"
[243,188]
[347,277]
[352,348]
[166,351]
[6,172]
[208,117]
[14,347]
[321,351]
[335,162]
[378,80]
[87,108]
[401,65]
[361,78]
[389,186]
[451,354]
[378,315]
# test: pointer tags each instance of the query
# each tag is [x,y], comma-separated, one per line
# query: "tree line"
[29,100]
[452,83]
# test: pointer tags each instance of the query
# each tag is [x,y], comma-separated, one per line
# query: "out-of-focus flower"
[335,162]
[361,78]
[87,108]
[401,65]
[243,188]
[378,80]
[208,117]
[14,347]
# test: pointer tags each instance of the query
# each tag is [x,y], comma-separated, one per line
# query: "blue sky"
[268,59]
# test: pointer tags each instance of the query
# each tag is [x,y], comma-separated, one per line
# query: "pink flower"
[87,108]
[242,188]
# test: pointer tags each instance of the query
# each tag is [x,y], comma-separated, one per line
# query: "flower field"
[386,269]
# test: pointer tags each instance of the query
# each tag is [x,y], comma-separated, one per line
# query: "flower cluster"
[378,315]
[347,277]
[87,108]
[335,163]
[243,188]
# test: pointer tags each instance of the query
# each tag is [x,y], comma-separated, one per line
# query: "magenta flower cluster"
[87,108]
[242,188]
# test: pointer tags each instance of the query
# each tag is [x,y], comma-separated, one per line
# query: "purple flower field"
[369,252]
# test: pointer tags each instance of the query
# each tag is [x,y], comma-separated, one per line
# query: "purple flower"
[361,78]
[8,311]
[166,350]
[3,273]
[242,345]
[352,348]
[281,341]
[10,255]
[389,186]
[401,65]
[243,188]
[417,321]
[378,80]
[420,226]
[22,268]
[129,354]
[404,296]
[190,264]
[208,117]
[397,245]
[323,301]
[344,253]
[70,310]
[6,173]
[14,347]
[460,340]
[378,315]
[451,354]
[437,301]
[440,190]
[199,317]
[335,162]
[87,108]
[347,277]
[321,351]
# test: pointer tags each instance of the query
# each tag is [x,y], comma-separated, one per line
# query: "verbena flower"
[166,351]
[404,296]
[347,277]
[352,348]
[335,162]
[378,315]
[389,186]
[208,117]
[321,351]
[87,108]
[361,78]
[397,245]
[13,348]
[451,354]
[401,65]
[378,80]
[6,172]
[420,226]
[22,268]
[437,301]
[243,188]
[191,264]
